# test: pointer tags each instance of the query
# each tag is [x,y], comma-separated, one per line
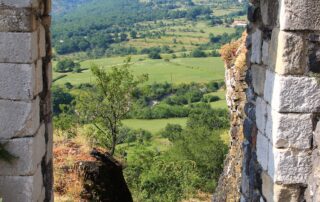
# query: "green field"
[181,70]
[154,125]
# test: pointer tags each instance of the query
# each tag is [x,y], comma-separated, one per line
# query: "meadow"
[180,70]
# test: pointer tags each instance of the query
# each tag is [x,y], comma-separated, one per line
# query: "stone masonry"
[283,73]
[25,109]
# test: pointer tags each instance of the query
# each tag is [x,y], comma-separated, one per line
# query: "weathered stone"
[269,12]
[19,119]
[286,193]
[267,186]
[300,15]
[262,151]
[21,188]
[17,20]
[39,78]
[265,52]
[289,167]
[258,78]
[19,47]
[292,94]
[42,41]
[256,53]
[289,53]
[20,3]
[23,86]
[284,132]
[317,134]
[29,152]
[261,114]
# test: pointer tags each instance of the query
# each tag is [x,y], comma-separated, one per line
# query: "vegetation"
[165,129]
[108,103]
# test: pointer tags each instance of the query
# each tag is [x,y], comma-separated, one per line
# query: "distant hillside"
[96,24]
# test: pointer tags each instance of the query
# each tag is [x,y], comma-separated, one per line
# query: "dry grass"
[67,184]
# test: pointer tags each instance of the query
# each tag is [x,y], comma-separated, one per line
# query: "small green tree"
[110,101]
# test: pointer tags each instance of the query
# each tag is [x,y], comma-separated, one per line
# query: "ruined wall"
[234,55]
[281,157]
[25,109]
[279,134]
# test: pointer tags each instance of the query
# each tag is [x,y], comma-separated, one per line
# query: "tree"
[154,55]
[133,34]
[197,53]
[67,65]
[110,101]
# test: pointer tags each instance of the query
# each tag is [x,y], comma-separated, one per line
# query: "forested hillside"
[96,24]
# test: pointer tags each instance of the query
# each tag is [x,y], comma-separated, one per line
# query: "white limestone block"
[29,152]
[258,78]
[290,130]
[19,119]
[261,114]
[21,188]
[289,166]
[292,94]
[262,151]
[18,47]
[256,52]
[300,15]
[18,81]
[265,53]
[289,53]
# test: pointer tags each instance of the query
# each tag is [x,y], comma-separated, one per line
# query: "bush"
[67,65]
[172,132]
[197,53]
[154,55]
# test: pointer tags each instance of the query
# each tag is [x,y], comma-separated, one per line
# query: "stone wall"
[25,109]
[234,55]
[281,156]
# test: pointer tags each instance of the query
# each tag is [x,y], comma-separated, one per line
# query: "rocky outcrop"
[103,180]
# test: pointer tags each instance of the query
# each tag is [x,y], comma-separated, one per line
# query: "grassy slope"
[180,70]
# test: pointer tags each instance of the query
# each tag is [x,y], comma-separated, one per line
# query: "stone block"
[269,12]
[18,47]
[300,15]
[265,52]
[261,114]
[256,52]
[21,188]
[288,193]
[18,81]
[317,134]
[20,3]
[262,151]
[267,186]
[29,152]
[39,77]
[289,53]
[258,78]
[287,166]
[42,41]
[19,119]
[290,130]
[17,20]
[292,94]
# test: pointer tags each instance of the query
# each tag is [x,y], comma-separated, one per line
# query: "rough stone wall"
[25,109]
[234,55]
[281,157]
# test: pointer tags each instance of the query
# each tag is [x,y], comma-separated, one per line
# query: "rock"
[103,180]
[300,15]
